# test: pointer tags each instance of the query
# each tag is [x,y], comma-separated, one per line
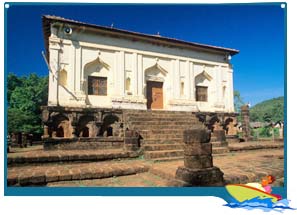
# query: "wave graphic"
[265,205]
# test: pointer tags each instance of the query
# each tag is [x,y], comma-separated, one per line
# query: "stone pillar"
[45,132]
[177,80]
[54,134]
[191,83]
[54,48]
[24,139]
[198,169]
[74,132]
[134,75]
[230,90]
[131,140]
[121,73]
[245,116]
[188,80]
[140,78]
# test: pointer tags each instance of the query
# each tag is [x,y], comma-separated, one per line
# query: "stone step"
[41,175]
[164,136]
[167,159]
[161,127]
[159,147]
[219,144]
[163,154]
[166,131]
[154,113]
[162,116]
[58,156]
[146,134]
[162,119]
[150,132]
[172,121]
[163,141]
[220,150]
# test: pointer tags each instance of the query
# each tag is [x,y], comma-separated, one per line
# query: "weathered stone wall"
[222,126]
[62,122]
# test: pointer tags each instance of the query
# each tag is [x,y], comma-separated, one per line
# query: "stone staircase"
[162,132]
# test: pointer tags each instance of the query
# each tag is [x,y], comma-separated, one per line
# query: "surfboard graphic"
[242,193]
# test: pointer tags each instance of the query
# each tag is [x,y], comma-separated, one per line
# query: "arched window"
[96,73]
[202,82]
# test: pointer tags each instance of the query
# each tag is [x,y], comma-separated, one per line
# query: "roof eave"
[46,20]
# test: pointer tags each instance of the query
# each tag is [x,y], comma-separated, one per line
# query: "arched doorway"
[155,78]
[154,94]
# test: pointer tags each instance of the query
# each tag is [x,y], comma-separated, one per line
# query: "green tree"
[238,101]
[25,97]
[267,118]
[12,82]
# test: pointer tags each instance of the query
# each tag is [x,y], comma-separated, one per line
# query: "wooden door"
[154,95]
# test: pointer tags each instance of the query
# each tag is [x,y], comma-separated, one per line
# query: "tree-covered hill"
[269,110]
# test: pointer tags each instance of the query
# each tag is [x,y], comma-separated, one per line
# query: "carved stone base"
[201,177]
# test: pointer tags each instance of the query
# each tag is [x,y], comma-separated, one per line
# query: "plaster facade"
[125,65]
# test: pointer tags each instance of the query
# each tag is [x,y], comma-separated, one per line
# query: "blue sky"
[257,30]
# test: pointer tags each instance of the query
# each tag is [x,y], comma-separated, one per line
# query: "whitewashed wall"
[86,53]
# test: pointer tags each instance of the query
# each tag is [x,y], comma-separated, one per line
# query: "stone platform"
[37,156]
[41,175]
[238,168]
[246,164]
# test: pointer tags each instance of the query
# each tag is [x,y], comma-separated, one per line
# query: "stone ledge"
[68,156]
[41,175]
[83,143]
